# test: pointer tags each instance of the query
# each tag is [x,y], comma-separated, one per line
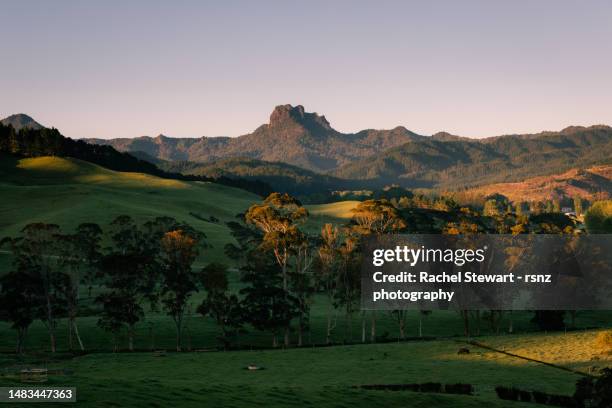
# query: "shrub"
[431,387]
[524,396]
[507,393]
[602,389]
[540,397]
[562,401]
[598,219]
[584,391]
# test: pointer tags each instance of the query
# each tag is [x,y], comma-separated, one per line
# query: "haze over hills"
[292,136]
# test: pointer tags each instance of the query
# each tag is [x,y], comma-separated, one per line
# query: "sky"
[190,69]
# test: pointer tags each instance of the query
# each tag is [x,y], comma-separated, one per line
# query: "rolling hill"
[69,191]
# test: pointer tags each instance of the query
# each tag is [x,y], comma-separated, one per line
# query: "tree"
[118,309]
[36,256]
[20,303]
[578,205]
[301,285]
[519,209]
[128,279]
[222,306]
[278,218]
[551,223]
[266,305]
[491,209]
[598,219]
[179,251]
[327,272]
[376,217]
[130,272]
[549,207]
[349,283]
[79,254]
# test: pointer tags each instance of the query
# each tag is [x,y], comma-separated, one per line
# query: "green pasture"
[321,377]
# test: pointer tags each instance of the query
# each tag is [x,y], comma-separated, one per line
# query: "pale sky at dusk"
[190,69]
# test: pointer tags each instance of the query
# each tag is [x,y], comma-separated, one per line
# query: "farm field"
[320,376]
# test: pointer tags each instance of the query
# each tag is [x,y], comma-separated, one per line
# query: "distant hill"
[592,183]
[452,163]
[30,142]
[292,136]
[20,121]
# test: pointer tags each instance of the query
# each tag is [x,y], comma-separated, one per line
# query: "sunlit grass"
[341,209]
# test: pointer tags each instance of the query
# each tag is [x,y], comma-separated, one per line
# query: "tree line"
[281,268]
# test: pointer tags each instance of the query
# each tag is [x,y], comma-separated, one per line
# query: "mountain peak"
[20,121]
[285,114]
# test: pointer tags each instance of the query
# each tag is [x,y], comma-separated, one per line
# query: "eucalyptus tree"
[279,218]
[376,217]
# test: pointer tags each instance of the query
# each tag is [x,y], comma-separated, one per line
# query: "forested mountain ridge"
[292,136]
[455,163]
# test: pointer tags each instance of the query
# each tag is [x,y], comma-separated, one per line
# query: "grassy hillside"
[68,192]
[340,210]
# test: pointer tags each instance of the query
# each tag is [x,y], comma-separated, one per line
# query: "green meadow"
[324,377]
